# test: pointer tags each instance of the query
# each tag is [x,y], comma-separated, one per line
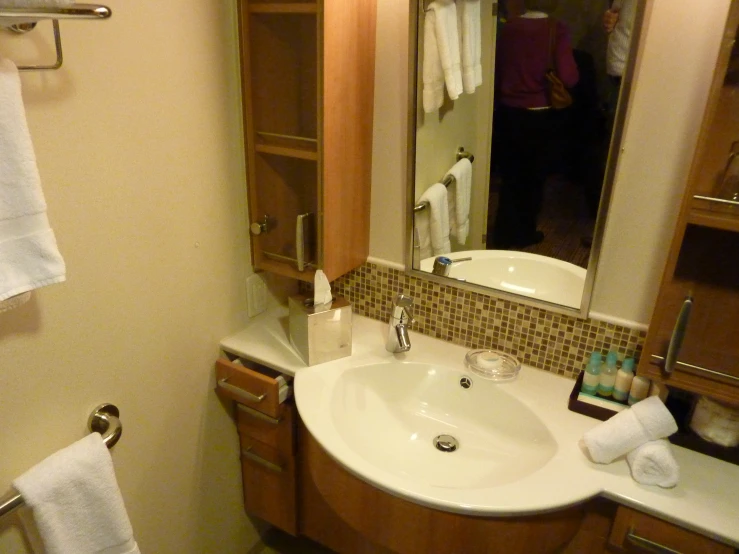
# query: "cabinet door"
[707,276]
[280,68]
[715,175]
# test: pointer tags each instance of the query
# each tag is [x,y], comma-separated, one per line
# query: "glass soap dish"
[492,364]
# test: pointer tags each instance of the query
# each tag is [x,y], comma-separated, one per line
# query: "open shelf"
[303,148]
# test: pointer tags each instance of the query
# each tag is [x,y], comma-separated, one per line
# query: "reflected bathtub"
[522,273]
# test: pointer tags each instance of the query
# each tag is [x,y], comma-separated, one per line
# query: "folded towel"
[433,74]
[460,192]
[433,222]
[652,463]
[446,37]
[29,256]
[76,503]
[35,3]
[468,23]
[645,421]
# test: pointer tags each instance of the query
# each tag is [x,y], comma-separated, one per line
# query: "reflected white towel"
[76,503]
[460,192]
[645,421]
[446,35]
[14,301]
[29,256]
[433,74]
[468,19]
[652,463]
[433,221]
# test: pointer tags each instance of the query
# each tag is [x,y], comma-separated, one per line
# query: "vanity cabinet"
[307,91]
[692,343]
[265,420]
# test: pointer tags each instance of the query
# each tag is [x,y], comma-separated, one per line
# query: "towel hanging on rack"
[29,256]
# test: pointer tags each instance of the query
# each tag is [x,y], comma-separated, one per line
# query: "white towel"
[652,463]
[645,421]
[440,28]
[433,221]
[76,503]
[433,74]
[14,301]
[29,256]
[460,192]
[468,23]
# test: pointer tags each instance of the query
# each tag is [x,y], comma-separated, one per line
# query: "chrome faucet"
[397,333]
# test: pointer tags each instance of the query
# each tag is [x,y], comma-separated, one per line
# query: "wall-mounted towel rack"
[22,20]
[103,420]
[448,179]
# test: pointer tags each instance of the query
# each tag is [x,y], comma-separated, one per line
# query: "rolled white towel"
[645,421]
[652,463]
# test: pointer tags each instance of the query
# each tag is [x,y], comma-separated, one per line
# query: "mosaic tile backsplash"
[546,340]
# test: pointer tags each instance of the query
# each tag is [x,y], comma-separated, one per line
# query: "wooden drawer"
[278,433]
[268,477]
[250,384]
[637,532]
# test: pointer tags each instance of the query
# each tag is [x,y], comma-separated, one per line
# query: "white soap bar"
[488,360]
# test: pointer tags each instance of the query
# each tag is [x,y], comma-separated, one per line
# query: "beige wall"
[139,148]
[665,116]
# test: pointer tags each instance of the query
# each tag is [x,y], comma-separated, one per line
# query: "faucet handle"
[403,304]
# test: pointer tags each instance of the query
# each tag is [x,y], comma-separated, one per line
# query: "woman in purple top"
[526,127]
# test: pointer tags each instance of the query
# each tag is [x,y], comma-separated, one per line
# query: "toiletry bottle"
[592,374]
[639,389]
[608,375]
[624,376]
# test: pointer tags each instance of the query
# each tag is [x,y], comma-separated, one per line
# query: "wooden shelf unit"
[702,272]
[308,83]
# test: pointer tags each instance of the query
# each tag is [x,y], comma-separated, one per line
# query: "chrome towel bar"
[22,20]
[448,179]
[103,420]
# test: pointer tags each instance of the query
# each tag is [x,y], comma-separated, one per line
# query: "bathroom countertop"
[705,500]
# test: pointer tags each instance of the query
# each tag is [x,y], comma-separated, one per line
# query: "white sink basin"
[390,413]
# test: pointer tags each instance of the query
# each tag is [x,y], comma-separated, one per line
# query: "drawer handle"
[678,334]
[249,455]
[258,415]
[647,545]
[241,393]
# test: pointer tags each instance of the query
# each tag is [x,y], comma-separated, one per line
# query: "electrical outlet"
[256,295]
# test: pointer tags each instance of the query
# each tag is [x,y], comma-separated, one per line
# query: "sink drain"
[446,443]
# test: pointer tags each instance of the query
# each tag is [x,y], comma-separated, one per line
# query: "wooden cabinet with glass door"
[308,82]
[692,342]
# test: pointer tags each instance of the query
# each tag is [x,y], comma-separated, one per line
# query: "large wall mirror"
[507,194]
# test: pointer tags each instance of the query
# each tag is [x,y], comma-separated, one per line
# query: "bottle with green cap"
[624,377]
[592,374]
[608,375]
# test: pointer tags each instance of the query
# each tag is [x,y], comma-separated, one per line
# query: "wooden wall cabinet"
[692,341]
[307,89]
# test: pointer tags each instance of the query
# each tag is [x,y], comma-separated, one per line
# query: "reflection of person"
[526,127]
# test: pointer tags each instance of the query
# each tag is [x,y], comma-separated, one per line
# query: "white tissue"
[321,291]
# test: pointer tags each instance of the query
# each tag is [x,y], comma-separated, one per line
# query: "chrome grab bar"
[103,420]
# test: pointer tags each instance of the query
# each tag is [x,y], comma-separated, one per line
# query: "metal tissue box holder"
[320,334]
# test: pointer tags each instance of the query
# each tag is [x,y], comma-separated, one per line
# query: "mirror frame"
[616,147]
